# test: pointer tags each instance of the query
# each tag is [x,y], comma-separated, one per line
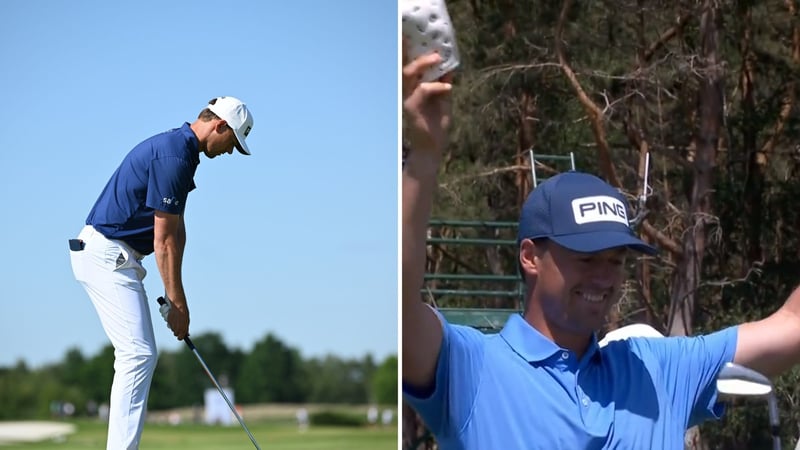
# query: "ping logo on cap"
[599,208]
[247,131]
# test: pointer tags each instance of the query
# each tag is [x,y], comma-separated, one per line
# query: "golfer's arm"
[181,236]
[772,345]
[168,243]
[422,330]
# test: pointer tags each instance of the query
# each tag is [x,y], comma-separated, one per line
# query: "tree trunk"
[756,157]
[706,141]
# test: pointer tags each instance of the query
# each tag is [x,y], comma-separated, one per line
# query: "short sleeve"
[170,181]
[446,408]
[690,367]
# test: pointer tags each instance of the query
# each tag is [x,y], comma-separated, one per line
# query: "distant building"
[372,415]
[387,417]
[217,411]
[302,419]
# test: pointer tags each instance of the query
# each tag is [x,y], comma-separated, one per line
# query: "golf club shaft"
[774,421]
[191,346]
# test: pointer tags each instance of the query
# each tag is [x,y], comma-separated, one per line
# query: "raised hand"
[426,106]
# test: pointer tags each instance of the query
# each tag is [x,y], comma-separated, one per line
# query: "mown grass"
[269,435]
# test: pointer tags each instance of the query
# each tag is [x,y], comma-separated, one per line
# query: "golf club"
[162,301]
[736,380]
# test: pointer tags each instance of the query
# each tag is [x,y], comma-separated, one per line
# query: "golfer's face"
[579,289]
[222,140]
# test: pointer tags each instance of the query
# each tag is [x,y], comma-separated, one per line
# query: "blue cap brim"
[602,240]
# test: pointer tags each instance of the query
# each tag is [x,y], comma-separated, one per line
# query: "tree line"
[704,91]
[272,372]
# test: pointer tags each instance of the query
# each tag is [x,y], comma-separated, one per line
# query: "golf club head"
[737,380]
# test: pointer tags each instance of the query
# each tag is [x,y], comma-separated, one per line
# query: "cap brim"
[603,240]
[242,145]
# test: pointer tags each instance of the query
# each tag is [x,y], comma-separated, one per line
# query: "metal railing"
[461,296]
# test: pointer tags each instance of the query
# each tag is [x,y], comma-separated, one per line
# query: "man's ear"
[220,126]
[528,259]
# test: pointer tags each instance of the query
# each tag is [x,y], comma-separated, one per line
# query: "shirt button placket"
[581,395]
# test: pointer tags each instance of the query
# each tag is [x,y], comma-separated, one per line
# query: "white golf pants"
[112,274]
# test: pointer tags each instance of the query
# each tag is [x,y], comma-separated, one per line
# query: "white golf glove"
[164,309]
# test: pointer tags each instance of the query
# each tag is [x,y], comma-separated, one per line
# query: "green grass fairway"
[270,436]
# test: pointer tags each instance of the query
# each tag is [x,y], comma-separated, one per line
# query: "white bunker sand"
[32,431]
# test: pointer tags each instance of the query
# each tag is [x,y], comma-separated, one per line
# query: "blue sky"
[299,239]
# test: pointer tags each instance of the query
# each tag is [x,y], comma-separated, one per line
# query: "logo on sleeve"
[170,201]
[600,208]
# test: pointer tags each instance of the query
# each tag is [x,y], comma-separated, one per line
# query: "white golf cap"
[235,113]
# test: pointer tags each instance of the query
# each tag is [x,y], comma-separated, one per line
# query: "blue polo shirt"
[157,174]
[519,390]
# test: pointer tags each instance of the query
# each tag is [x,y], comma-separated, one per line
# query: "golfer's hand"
[178,320]
[426,106]
[164,309]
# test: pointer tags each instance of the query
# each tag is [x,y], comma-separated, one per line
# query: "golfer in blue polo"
[543,382]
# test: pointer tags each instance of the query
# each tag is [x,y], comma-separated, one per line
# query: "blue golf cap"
[581,212]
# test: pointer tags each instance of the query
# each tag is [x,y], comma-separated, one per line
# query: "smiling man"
[574,237]
[139,212]
[543,382]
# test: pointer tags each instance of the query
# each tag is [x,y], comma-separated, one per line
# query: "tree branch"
[484,174]
[591,108]
[662,239]
[659,43]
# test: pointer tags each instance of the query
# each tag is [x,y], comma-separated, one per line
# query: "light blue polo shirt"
[519,390]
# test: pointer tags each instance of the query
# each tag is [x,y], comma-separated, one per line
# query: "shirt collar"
[532,346]
[192,144]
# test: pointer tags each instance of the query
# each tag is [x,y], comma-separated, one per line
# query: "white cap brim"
[242,147]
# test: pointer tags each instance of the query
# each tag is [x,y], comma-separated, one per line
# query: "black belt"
[76,245]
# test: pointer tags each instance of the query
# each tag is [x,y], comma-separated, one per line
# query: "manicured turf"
[270,436]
